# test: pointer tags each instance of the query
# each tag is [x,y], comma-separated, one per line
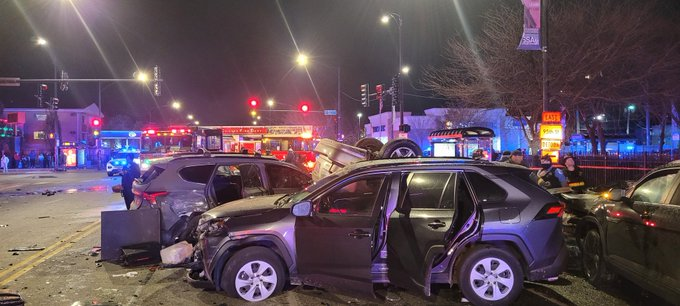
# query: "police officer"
[549,176]
[131,171]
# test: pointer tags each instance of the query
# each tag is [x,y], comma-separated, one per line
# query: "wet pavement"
[66,224]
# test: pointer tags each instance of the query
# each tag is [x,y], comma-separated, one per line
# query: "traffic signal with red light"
[96,122]
[304,107]
[254,102]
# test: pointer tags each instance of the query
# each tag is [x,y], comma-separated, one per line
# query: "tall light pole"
[629,109]
[302,60]
[270,104]
[359,115]
[43,43]
[385,19]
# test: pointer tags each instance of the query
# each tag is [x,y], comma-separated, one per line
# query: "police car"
[119,161]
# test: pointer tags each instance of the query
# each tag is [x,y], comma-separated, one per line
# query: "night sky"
[214,55]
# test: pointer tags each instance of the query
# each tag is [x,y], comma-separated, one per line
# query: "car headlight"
[210,226]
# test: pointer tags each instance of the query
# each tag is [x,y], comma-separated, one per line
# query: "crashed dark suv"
[410,222]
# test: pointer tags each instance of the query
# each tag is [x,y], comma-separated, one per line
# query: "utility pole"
[338,117]
[544,50]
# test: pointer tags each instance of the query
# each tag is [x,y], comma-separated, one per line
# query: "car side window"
[427,190]
[285,177]
[251,176]
[197,174]
[486,190]
[653,189]
[356,198]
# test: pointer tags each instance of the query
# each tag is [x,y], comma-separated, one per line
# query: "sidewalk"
[48,171]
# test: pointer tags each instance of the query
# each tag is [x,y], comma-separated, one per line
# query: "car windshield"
[298,196]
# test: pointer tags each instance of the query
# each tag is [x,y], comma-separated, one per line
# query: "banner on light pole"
[531,37]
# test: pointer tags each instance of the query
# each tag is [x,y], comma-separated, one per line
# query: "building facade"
[34,131]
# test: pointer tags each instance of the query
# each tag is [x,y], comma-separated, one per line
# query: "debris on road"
[129,274]
[49,192]
[34,247]
[177,253]
[117,188]
[95,251]
[4,225]
[43,217]
[10,298]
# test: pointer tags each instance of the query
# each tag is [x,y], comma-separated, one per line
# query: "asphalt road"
[67,225]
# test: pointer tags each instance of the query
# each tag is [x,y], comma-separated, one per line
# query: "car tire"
[371,144]
[592,258]
[490,276]
[253,274]
[399,148]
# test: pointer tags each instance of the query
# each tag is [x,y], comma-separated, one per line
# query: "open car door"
[435,211]
[335,244]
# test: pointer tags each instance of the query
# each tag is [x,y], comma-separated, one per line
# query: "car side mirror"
[617,194]
[302,209]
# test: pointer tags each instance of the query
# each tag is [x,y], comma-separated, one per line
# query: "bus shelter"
[462,142]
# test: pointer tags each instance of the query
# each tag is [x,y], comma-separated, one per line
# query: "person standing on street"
[4,162]
[131,171]
[516,158]
[549,176]
[574,174]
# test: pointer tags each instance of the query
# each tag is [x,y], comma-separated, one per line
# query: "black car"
[410,222]
[636,234]
[186,186]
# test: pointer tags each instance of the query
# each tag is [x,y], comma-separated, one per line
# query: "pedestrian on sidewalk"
[4,162]
[131,171]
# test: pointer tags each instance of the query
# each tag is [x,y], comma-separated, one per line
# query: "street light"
[302,59]
[196,122]
[141,76]
[385,19]
[405,69]
[41,41]
[176,105]
[190,117]
[270,103]
[254,122]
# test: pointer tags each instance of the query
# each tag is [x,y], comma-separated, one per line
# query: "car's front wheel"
[253,274]
[491,276]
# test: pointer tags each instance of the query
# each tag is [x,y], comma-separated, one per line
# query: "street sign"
[9,82]
[330,112]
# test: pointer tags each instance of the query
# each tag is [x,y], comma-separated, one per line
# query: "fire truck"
[269,140]
[164,141]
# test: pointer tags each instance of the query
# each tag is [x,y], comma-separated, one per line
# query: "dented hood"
[243,207]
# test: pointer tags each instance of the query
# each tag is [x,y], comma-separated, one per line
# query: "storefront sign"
[552,117]
[550,145]
[551,131]
[244,130]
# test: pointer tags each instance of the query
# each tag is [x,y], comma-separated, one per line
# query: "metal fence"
[606,169]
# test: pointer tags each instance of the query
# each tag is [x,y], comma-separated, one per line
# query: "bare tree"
[600,52]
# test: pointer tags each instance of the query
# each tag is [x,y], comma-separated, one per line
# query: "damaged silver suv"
[484,226]
[186,186]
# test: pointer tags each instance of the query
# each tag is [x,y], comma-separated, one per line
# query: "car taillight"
[151,196]
[551,210]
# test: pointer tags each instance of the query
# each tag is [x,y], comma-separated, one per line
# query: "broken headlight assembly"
[210,226]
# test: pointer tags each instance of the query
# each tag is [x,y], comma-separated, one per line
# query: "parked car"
[485,226]
[635,234]
[118,161]
[186,186]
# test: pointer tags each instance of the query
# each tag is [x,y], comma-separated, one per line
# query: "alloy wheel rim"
[591,255]
[403,152]
[255,281]
[492,279]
